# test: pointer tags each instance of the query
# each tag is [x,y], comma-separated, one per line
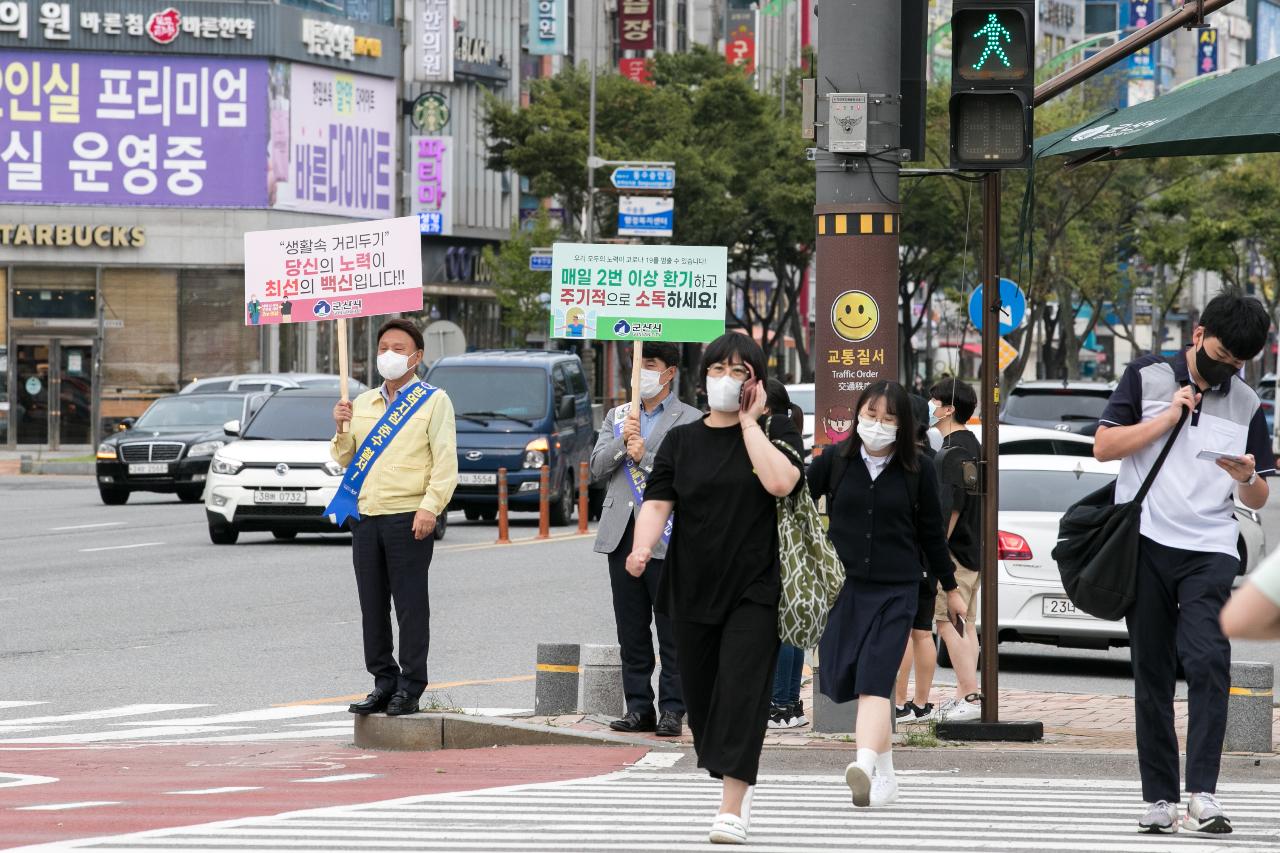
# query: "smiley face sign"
[855,316]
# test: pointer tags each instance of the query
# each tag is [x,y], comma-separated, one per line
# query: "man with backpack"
[1188,555]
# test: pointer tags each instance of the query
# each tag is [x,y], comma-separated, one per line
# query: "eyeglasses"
[887,420]
[738,371]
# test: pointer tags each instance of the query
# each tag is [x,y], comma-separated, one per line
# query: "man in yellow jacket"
[408,472]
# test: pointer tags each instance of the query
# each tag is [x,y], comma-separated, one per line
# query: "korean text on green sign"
[627,293]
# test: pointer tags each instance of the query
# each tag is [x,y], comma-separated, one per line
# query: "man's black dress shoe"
[401,704]
[374,703]
[671,724]
[635,721]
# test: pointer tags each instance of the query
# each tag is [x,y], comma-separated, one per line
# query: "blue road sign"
[1013,307]
[644,178]
[539,262]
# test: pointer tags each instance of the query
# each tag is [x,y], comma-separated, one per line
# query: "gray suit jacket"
[607,464]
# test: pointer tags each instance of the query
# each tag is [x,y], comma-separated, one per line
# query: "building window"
[1101,18]
[212,302]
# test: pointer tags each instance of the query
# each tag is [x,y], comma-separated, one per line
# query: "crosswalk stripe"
[254,737]
[61,807]
[13,703]
[123,734]
[637,810]
[103,714]
[260,715]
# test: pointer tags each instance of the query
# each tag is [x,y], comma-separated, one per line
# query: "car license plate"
[477,479]
[285,496]
[1056,606]
[148,468]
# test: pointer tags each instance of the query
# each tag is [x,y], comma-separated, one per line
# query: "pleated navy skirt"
[865,639]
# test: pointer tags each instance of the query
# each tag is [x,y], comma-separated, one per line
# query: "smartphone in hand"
[957,622]
[747,393]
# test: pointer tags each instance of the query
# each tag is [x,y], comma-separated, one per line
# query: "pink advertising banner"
[358,269]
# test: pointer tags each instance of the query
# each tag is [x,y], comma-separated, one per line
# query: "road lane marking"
[102,714]
[19,704]
[18,780]
[260,715]
[160,733]
[482,546]
[228,790]
[87,526]
[120,547]
[345,777]
[59,807]
[443,685]
[255,737]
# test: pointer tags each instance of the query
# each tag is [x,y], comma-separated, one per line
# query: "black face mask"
[1211,370]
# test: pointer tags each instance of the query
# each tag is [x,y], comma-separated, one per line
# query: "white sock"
[867,759]
[884,763]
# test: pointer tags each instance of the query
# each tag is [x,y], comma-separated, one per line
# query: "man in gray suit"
[624,455]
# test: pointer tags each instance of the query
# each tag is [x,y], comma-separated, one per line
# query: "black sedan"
[168,449]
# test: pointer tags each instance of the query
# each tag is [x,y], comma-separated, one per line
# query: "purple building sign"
[132,130]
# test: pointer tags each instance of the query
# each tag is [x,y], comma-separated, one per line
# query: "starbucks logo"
[431,112]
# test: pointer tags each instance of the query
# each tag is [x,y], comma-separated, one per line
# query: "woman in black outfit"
[885,516]
[722,477]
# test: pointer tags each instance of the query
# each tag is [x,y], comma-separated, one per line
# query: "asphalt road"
[107,606]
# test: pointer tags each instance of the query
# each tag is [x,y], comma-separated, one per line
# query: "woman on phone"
[885,515]
[722,476]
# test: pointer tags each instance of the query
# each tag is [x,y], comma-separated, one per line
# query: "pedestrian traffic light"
[992,83]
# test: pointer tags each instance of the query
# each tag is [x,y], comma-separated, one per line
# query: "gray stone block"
[601,689]
[415,732]
[832,717]
[556,681]
[429,732]
[1249,707]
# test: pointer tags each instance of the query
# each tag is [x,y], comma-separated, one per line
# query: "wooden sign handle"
[637,355]
[343,371]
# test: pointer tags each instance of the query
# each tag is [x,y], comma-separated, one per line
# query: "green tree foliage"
[520,290]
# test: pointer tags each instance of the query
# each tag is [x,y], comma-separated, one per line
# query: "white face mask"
[934,417]
[651,383]
[722,393]
[875,435]
[392,365]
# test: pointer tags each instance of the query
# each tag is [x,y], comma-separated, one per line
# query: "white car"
[803,396]
[278,477]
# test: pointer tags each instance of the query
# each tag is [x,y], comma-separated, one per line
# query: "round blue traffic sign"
[1013,306]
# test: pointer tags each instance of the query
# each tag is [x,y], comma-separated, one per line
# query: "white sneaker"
[1161,817]
[859,782]
[731,828]
[959,710]
[884,790]
[1204,814]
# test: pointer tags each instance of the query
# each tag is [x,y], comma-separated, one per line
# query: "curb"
[430,732]
[80,469]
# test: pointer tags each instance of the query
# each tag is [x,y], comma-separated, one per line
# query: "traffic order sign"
[641,177]
[1013,306]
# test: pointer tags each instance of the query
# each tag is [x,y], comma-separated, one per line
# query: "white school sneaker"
[1204,814]
[1161,817]
[732,828]
[859,782]
[884,790]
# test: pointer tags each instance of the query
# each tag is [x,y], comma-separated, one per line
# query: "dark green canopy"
[1237,113]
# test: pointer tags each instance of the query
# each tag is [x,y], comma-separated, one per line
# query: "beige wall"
[144,354]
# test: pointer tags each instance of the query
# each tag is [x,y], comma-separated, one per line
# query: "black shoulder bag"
[1097,550]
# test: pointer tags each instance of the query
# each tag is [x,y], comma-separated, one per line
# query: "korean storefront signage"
[357,269]
[61,235]
[635,24]
[616,293]
[646,216]
[547,27]
[203,27]
[1207,50]
[132,130]
[740,39]
[433,41]
[431,112]
[635,69]
[341,148]
[432,183]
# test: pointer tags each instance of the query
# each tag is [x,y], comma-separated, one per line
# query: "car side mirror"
[231,427]
[568,409]
[126,424]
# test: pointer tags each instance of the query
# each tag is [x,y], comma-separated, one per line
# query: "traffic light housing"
[992,83]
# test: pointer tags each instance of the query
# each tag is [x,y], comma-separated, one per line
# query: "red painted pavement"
[138,777]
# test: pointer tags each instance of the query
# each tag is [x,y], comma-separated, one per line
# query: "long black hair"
[898,403]
[735,343]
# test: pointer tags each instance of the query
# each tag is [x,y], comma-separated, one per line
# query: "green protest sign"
[638,293]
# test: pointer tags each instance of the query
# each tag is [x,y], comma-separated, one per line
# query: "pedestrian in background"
[1253,613]
[623,456]
[921,654]
[722,477]
[1188,557]
[951,404]
[884,512]
[787,711]
[401,492]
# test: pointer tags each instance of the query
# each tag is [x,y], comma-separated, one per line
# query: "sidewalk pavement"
[1073,722]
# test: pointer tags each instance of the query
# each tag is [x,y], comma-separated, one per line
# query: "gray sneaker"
[1204,814]
[1161,817]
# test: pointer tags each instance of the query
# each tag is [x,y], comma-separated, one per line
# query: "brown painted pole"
[503,530]
[989,404]
[544,502]
[584,498]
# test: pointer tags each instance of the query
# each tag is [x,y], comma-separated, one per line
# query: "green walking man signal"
[994,31]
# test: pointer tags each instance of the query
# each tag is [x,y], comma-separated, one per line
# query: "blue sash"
[636,479]
[346,502]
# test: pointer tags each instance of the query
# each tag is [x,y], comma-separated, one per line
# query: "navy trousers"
[1180,597]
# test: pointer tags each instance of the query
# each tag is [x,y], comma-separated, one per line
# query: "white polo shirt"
[1191,503]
